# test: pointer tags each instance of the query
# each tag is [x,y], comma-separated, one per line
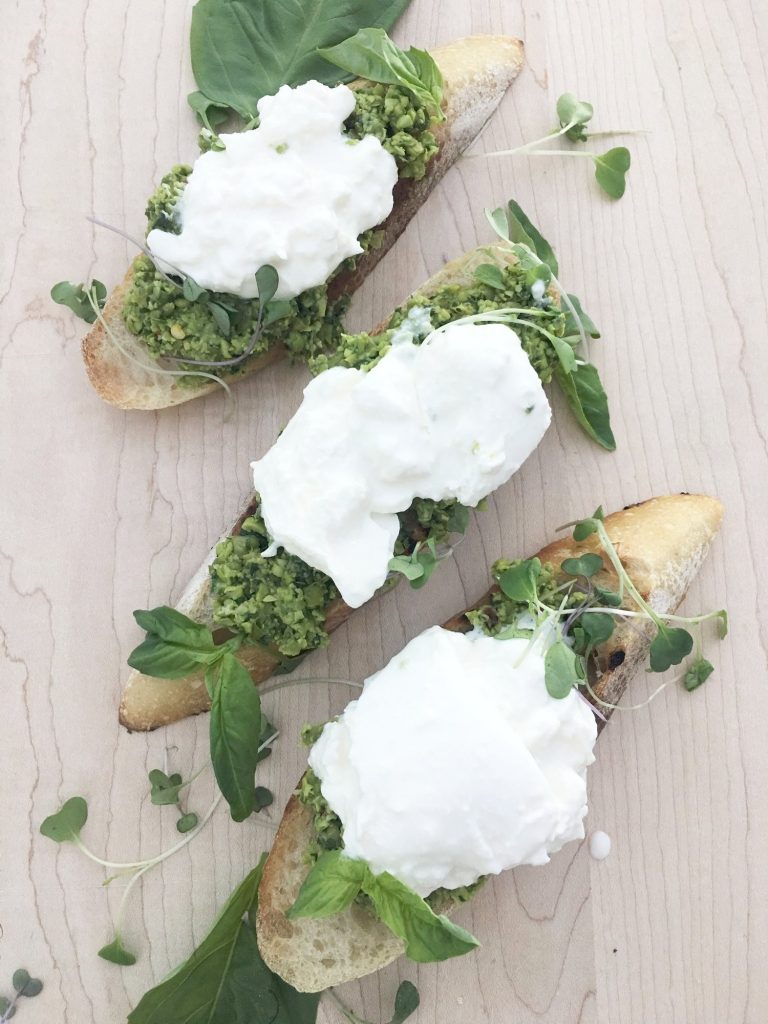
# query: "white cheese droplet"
[294,193]
[599,845]
[455,762]
[454,417]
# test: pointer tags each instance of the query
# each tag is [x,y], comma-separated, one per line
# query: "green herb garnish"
[79,299]
[24,987]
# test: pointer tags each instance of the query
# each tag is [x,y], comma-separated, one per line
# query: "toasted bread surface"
[147,702]
[477,71]
[662,543]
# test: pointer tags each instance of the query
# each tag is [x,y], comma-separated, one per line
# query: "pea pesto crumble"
[172,325]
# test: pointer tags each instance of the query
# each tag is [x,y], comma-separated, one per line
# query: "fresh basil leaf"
[245,49]
[571,327]
[521,229]
[211,115]
[598,626]
[75,297]
[565,354]
[169,624]
[235,730]
[427,936]
[585,565]
[372,55]
[225,981]
[116,953]
[698,673]
[611,171]
[406,1002]
[330,887]
[575,112]
[519,582]
[588,402]
[164,660]
[65,826]
[490,274]
[669,647]
[562,670]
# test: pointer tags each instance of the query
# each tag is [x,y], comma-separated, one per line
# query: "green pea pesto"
[170,325]
[280,601]
[363,351]
[502,611]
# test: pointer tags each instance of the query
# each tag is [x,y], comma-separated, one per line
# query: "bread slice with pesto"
[662,544]
[148,702]
[477,70]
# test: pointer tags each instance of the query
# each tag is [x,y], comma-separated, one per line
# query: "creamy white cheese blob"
[294,193]
[456,763]
[454,417]
[599,845]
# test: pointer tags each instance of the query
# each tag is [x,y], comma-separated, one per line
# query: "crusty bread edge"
[477,72]
[662,543]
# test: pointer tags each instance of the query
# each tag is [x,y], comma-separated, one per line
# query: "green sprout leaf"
[588,402]
[562,670]
[519,582]
[698,673]
[609,598]
[165,788]
[263,797]
[521,229]
[267,281]
[75,297]
[187,822]
[598,627]
[586,527]
[669,647]
[65,826]
[722,623]
[404,564]
[585,565]
[575,112]
[406,1002]
[611,171]
[491,275]
[116,953]
[571,327]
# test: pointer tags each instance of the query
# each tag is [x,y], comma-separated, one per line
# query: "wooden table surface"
[102,512]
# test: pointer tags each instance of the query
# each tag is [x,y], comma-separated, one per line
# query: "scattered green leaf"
[235,730]
[562,670]
[406,1002]
[263,797]
[698,673]
[598,627]
[75,297]
[164,788]
[571,326]
[491,275]
[187,822]
[669,647]
[577,113]
[611,171]
[588,402]
[65,826]
[116,953]
[722,623]
[522,229]
[519,582]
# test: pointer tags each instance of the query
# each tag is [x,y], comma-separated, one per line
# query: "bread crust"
[148,703]
[477,71]
[662,543]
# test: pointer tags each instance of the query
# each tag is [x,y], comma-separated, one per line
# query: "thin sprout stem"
[620,131]
[284,684]
[144,248]
[624,578]
[572,310]
[351,1017]
[557,152]
[626,707]
[146,366]
[528,145]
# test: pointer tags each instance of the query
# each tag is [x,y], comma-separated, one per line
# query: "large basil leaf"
[245,49]
[225,981]
[175,645]
[588,402]
[427,935]
[330,887]
[235,730]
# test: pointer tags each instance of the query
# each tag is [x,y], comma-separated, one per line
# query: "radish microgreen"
[79,299]
[24,987]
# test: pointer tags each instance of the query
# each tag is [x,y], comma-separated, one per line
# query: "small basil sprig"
[175,647]
[335,881]
[84,302]
[579,380]
[371,54]
[225,978]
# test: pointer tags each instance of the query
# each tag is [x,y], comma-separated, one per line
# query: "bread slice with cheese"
[662,543]
[477,71]
[148,702]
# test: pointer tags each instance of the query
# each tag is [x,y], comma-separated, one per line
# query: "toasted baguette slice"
[477,71]
[662,543]
[148,702]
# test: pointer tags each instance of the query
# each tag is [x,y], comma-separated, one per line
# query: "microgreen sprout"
[24,987]
[406,1003]
[573,116]
[81,300]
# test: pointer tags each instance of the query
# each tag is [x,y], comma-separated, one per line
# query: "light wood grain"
[102,512]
